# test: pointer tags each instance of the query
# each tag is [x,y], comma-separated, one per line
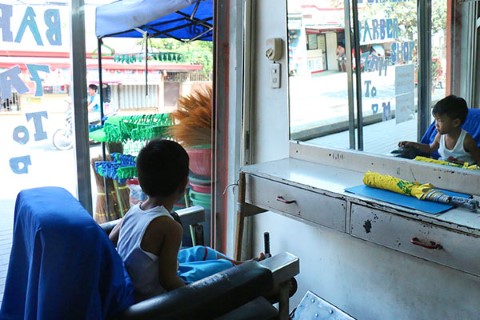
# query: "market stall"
[183,20]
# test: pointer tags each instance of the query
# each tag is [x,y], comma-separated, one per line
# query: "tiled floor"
[6,230]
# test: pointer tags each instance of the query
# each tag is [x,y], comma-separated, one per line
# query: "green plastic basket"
[201,199]
[145,127]
[98,135]
[136,128]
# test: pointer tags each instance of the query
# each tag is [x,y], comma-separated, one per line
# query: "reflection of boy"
[149,238]
[341,57]
[453,143]
[93,104]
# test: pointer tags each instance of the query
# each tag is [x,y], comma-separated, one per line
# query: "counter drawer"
[434,243]
[297,202]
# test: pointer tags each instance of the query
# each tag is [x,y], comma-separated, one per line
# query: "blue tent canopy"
[184,20]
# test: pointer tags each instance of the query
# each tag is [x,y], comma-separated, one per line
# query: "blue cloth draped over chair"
[471,125]
[62,264]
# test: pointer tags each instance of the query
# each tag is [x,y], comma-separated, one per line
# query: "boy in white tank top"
[148,238]
[453,143]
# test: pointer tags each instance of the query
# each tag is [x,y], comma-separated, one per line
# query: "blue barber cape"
[62,264]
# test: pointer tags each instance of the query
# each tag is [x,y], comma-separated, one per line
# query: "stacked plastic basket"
[200,175]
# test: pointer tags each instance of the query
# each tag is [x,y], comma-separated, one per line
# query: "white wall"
[269,111]
[270,122]
[366,280]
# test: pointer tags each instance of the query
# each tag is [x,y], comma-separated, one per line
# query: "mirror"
[323,71]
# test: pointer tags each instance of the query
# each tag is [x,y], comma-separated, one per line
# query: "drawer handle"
[429,245]
[283,200]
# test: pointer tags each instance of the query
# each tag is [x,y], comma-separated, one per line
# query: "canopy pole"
[146,63]
[100,79]
[104,153]
[195,9]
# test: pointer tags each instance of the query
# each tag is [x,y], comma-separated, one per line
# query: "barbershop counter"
[315,194]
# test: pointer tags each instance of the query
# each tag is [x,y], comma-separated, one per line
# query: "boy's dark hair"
[162,167]
[453,107]
[93,86]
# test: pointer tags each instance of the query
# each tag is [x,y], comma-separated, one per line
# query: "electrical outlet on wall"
[275,73]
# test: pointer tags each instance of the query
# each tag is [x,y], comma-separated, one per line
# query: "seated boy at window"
[453,143]
[148,238]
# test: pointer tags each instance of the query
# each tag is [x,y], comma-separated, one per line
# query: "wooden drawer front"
[434,243]
[314,207]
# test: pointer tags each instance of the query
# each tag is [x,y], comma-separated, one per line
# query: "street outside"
[48,166]
[321,99]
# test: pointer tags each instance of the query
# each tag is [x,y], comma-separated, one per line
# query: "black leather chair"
[243,292]
[63,266]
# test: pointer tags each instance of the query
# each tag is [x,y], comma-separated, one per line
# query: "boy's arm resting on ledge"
[422,147]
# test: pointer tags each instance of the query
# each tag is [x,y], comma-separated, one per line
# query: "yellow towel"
[466,165]
[424,191]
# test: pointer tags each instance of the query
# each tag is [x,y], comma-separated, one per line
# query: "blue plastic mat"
[404,200]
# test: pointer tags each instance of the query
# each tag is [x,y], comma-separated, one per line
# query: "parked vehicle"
[63,138]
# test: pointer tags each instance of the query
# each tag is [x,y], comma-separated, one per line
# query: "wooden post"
[119,199]
[240,217]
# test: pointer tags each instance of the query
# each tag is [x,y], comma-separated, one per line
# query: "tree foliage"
[406,14]
[196,52]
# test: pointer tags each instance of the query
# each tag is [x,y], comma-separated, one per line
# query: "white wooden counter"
[315,193]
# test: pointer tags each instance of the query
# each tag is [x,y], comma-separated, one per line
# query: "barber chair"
[63,266]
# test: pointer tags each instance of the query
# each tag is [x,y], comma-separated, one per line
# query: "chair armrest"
[283,266]
[207,298]
[220,293]
[108,226]
[188,216]
[191,215]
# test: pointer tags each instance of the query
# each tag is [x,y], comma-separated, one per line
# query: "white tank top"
[142,266]
[457,152]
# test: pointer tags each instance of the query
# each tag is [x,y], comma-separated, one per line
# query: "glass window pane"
[36,123]
[317,71]
[35,98]
[440,35]
[388,43]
